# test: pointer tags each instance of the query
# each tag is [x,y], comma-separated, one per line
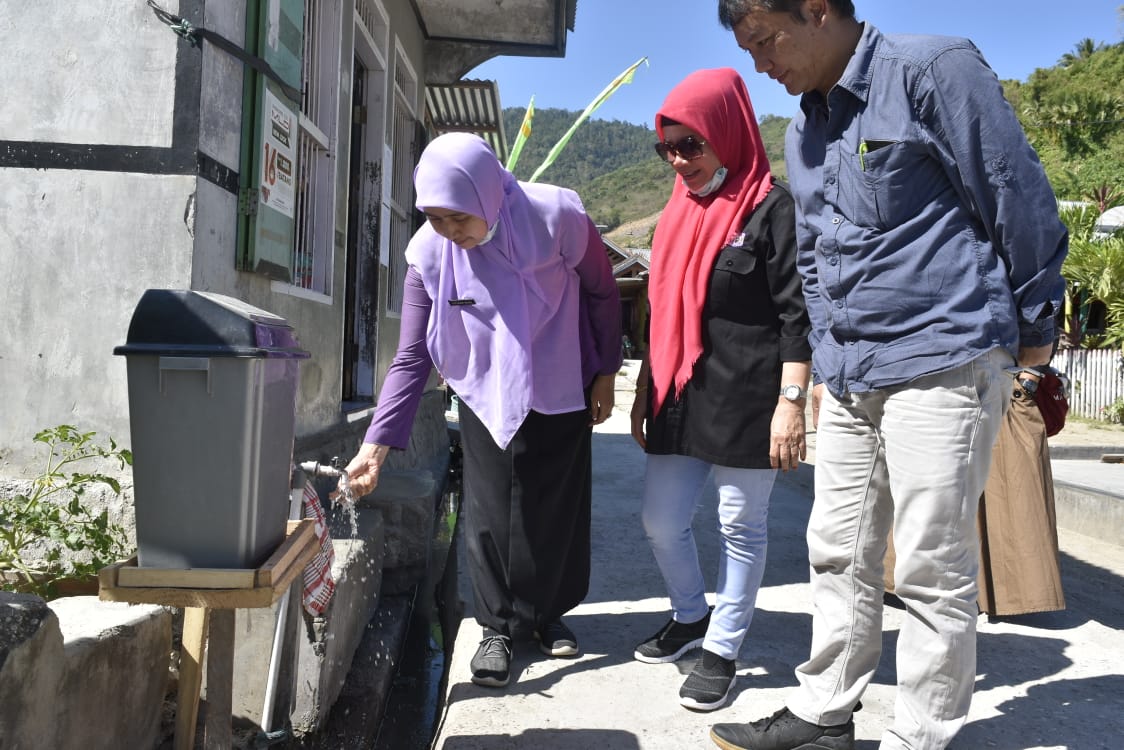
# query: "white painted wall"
[95,71]
[77,249]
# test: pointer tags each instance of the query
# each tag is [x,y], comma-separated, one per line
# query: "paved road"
[1044,681]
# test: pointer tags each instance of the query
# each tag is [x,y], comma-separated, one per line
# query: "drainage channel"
[417,698]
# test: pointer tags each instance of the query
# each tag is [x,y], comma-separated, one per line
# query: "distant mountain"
[611,164]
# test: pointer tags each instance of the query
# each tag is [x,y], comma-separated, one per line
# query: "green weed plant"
[52,534]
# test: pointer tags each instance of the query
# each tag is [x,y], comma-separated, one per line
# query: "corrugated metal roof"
[635,260]
[467,106]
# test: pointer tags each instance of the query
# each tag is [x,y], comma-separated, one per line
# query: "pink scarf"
[692,230]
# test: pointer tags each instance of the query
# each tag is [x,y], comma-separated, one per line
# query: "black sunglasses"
[688,148]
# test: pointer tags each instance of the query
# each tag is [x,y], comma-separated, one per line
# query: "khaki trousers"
[913,458]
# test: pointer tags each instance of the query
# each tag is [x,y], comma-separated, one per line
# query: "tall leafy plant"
[52,533]
[1094,272]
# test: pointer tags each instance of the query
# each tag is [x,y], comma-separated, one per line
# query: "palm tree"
[1094,272]
[1082,51]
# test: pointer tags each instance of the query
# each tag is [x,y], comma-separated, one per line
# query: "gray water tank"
[212,412]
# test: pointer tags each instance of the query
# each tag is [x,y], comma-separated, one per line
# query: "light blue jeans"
[673,486]
[914,457]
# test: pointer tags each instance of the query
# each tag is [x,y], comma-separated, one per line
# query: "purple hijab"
[513,348]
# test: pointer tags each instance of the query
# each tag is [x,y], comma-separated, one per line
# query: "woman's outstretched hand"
[363,471]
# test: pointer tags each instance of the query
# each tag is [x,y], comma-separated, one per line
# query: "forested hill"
[1072,112]
[597,147]
[610,163]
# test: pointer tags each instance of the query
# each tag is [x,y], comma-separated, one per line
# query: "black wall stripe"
[146,159]
[218,173]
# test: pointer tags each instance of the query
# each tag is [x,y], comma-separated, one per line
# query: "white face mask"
[491,233]
[714,183]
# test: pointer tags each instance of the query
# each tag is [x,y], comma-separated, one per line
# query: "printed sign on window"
[278,157]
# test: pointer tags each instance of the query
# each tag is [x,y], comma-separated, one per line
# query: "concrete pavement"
[1044,681]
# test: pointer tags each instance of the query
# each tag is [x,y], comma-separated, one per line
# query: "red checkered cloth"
[318,583]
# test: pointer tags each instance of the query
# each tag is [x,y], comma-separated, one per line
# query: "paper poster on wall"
[278,155]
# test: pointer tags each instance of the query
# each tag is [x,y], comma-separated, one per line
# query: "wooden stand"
[199,591]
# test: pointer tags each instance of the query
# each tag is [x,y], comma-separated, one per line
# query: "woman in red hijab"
[722,388]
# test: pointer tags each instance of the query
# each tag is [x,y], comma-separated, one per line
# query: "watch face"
[792,392]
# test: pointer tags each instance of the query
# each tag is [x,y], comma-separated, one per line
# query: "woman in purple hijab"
[510,295]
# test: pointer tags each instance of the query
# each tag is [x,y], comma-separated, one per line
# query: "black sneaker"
[673,640]
[708,685]
[784,730]
[491,666]
[555,639]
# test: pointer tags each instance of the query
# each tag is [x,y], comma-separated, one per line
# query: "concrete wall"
[62,668]
[82,244]
[79,253]
[59,86]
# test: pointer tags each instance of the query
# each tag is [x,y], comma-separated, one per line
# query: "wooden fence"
[1096,379]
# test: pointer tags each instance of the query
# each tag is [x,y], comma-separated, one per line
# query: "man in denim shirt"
[930,250]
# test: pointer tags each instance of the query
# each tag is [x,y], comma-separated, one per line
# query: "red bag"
[1052,399]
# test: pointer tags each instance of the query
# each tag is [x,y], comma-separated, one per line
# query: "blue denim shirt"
[928,233]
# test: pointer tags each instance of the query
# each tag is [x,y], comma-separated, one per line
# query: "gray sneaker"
[672,641]
[708,685]
[784,730]
[491,665]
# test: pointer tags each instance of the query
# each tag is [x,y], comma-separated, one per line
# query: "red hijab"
[692,230]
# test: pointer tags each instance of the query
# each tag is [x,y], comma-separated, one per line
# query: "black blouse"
[754,320]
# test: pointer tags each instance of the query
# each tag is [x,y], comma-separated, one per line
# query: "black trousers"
[526,519]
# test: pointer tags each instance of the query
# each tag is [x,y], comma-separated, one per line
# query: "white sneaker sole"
[560,647]
[696,705]
[567,649]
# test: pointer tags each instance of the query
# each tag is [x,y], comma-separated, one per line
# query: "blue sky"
[678,36]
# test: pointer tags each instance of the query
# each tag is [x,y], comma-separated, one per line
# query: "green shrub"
[1114,412]
[51,533]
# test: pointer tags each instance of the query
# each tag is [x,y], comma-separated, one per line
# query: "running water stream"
[347,501]
[416,698]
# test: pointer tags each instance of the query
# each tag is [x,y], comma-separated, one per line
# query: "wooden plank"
[107,576]
[195,620]
[209,598]
[289,561]
[1112,458]
[191,578]
[307,551]
[217,734]
[286,554]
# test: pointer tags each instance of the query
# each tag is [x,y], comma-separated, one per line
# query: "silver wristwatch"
[793,392]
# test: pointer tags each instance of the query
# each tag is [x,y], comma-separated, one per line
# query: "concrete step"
[1089,497]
